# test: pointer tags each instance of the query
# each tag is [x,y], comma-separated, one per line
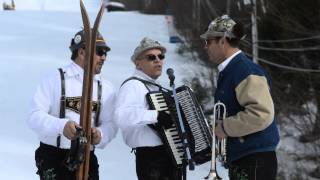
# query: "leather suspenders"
[63,103]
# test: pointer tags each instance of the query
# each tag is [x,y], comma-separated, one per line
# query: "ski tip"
[103,4]
[102,7]
[82,5]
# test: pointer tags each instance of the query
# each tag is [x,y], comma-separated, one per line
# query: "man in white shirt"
[55,107]
[134,116]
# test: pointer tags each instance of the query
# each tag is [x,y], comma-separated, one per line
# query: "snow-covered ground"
[35,38]
[35,42]
[52,5]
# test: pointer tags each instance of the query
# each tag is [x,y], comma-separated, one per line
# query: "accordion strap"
[145,82]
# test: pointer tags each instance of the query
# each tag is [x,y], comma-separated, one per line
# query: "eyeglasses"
[101,52]
[207,42]
[152,57]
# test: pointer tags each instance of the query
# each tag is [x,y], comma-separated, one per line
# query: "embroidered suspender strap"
[96,117]
[63,95]
[62,102]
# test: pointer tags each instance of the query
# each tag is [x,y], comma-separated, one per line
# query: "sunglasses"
[207,42]
[101,52]
[152,57]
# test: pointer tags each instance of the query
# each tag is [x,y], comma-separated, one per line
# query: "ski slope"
[34,41]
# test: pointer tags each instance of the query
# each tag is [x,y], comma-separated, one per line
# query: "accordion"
[197,130]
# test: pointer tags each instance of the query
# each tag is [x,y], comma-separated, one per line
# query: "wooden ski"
[86,100]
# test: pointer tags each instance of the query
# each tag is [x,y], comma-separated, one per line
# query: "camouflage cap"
[146,44]
[221,26]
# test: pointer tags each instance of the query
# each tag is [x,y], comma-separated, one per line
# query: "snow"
[295,157]
[52,5]
[116,4]
[34,40]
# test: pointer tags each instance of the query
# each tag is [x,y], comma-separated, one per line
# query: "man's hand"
[95,135]
[70,130]
[219,132]
[164,119]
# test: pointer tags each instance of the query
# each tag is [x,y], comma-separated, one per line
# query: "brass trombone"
[219,153]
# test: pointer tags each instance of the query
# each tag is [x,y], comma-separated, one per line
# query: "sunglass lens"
[151,57]
[161,56]
[101,52]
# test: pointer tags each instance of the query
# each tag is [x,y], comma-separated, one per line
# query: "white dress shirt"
[224,64]
[133,115]
[44,119]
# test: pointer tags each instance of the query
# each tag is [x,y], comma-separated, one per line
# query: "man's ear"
[81,52]
[136,62]
[222,40]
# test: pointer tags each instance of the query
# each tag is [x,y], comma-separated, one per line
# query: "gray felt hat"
[146,44]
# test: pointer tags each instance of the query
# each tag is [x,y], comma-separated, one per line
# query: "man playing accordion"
[135,117]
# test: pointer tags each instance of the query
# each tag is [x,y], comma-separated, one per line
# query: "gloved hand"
[164,119]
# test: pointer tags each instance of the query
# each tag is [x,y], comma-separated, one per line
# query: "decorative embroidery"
[49,174]
[239,174]
[74,104]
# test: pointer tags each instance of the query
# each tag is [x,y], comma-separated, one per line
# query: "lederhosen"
[154,163]
[50,160]
[256,166]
